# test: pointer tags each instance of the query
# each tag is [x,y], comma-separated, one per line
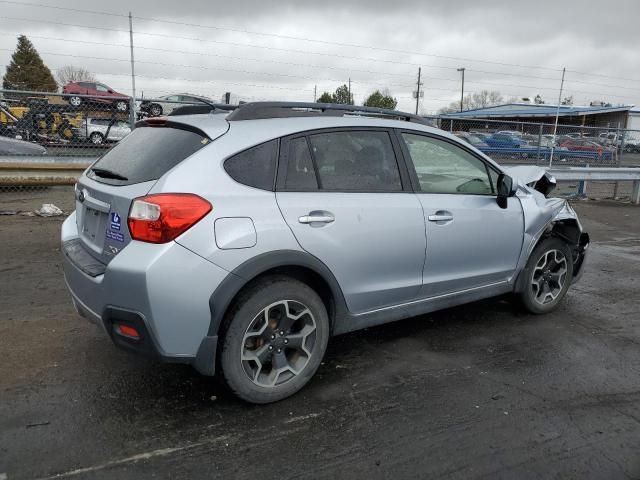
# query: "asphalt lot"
[480,391]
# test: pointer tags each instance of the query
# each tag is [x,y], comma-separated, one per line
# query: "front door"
[471,241]
[348,203]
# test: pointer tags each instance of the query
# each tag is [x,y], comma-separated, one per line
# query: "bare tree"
[482,99]
[70,73]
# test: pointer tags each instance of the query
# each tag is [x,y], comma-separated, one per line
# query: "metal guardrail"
[17,171]
[602,174]
[40,173]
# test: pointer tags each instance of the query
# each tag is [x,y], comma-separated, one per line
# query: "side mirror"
[109,91]
[505,189]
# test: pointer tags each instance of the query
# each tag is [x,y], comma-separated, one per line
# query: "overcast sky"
[211,47]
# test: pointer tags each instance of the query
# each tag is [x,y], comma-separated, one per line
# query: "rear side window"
[146,154]
[255,167]
[356,161]
[301,175]
[345,161]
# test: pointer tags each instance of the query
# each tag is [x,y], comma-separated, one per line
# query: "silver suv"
[100,130]
[241,242]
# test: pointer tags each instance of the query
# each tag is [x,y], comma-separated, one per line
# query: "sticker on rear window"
[116,221]
[118,237]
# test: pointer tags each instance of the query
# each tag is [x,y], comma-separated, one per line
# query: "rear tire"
[548,275]
[155,110]
[121,106]
[274,340]
[75,101]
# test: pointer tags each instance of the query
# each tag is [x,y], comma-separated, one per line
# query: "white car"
[97,130]
[168,103]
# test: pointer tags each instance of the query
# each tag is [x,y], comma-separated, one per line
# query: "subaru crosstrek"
[242,242]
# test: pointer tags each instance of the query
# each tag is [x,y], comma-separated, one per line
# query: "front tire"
[274,340]
[96,138]
[548,276]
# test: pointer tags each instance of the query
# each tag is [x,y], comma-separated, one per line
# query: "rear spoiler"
[202,109]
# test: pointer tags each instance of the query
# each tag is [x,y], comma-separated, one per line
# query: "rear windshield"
[146,154]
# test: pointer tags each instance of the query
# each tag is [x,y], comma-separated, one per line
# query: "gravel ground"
[480,391]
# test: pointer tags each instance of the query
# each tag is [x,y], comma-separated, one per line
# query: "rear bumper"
[162,291]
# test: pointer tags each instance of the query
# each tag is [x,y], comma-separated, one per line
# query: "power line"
[350,57]
[288,37]
[309,52]
[303,77]
[200,67]
[214,55]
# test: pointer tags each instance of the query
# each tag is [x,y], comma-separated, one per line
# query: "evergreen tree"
[27,71]
[343,96]
[326,97]
[381,100]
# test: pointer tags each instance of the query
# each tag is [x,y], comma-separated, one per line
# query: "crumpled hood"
[526,173]
[532,176]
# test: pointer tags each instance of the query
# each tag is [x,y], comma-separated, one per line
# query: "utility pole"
[462,92]
[350,102]
[315,93]
[132,104]
[418,89]
[555,126]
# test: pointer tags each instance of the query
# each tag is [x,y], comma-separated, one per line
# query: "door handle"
[440,216]
[317,217]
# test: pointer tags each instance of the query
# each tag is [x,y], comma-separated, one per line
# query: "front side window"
[355,161]
[102,88]
[443,167]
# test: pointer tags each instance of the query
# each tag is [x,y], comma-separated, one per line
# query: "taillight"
[161,217]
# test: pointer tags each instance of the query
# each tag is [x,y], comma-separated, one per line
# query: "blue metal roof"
[531,110]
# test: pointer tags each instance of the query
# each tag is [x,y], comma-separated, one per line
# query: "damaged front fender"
[544,217]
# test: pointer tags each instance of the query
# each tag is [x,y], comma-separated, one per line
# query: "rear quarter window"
[255,167]
[147,153]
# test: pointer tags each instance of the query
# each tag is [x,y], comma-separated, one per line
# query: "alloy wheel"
[549,276]
[278,343]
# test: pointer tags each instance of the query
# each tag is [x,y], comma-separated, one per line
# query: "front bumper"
[581,258]
[161,290]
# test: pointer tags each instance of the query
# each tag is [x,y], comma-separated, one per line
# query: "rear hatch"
[128,171]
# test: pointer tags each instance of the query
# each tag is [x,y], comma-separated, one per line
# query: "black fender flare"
[237,279]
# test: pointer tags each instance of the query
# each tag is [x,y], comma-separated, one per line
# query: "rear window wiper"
[104,173]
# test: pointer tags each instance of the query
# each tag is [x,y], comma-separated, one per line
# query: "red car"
[581,145]
[99,92]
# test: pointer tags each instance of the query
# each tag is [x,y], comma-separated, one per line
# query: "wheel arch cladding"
[567,230]
[299,265]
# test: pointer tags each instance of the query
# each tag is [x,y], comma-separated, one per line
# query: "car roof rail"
[202,109]
[263,110]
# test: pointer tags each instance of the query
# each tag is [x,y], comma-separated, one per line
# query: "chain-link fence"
[62,129]
[74,124]
[535,143]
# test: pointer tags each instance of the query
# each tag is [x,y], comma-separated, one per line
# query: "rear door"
[128,171]
[348,202]
[471,241]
